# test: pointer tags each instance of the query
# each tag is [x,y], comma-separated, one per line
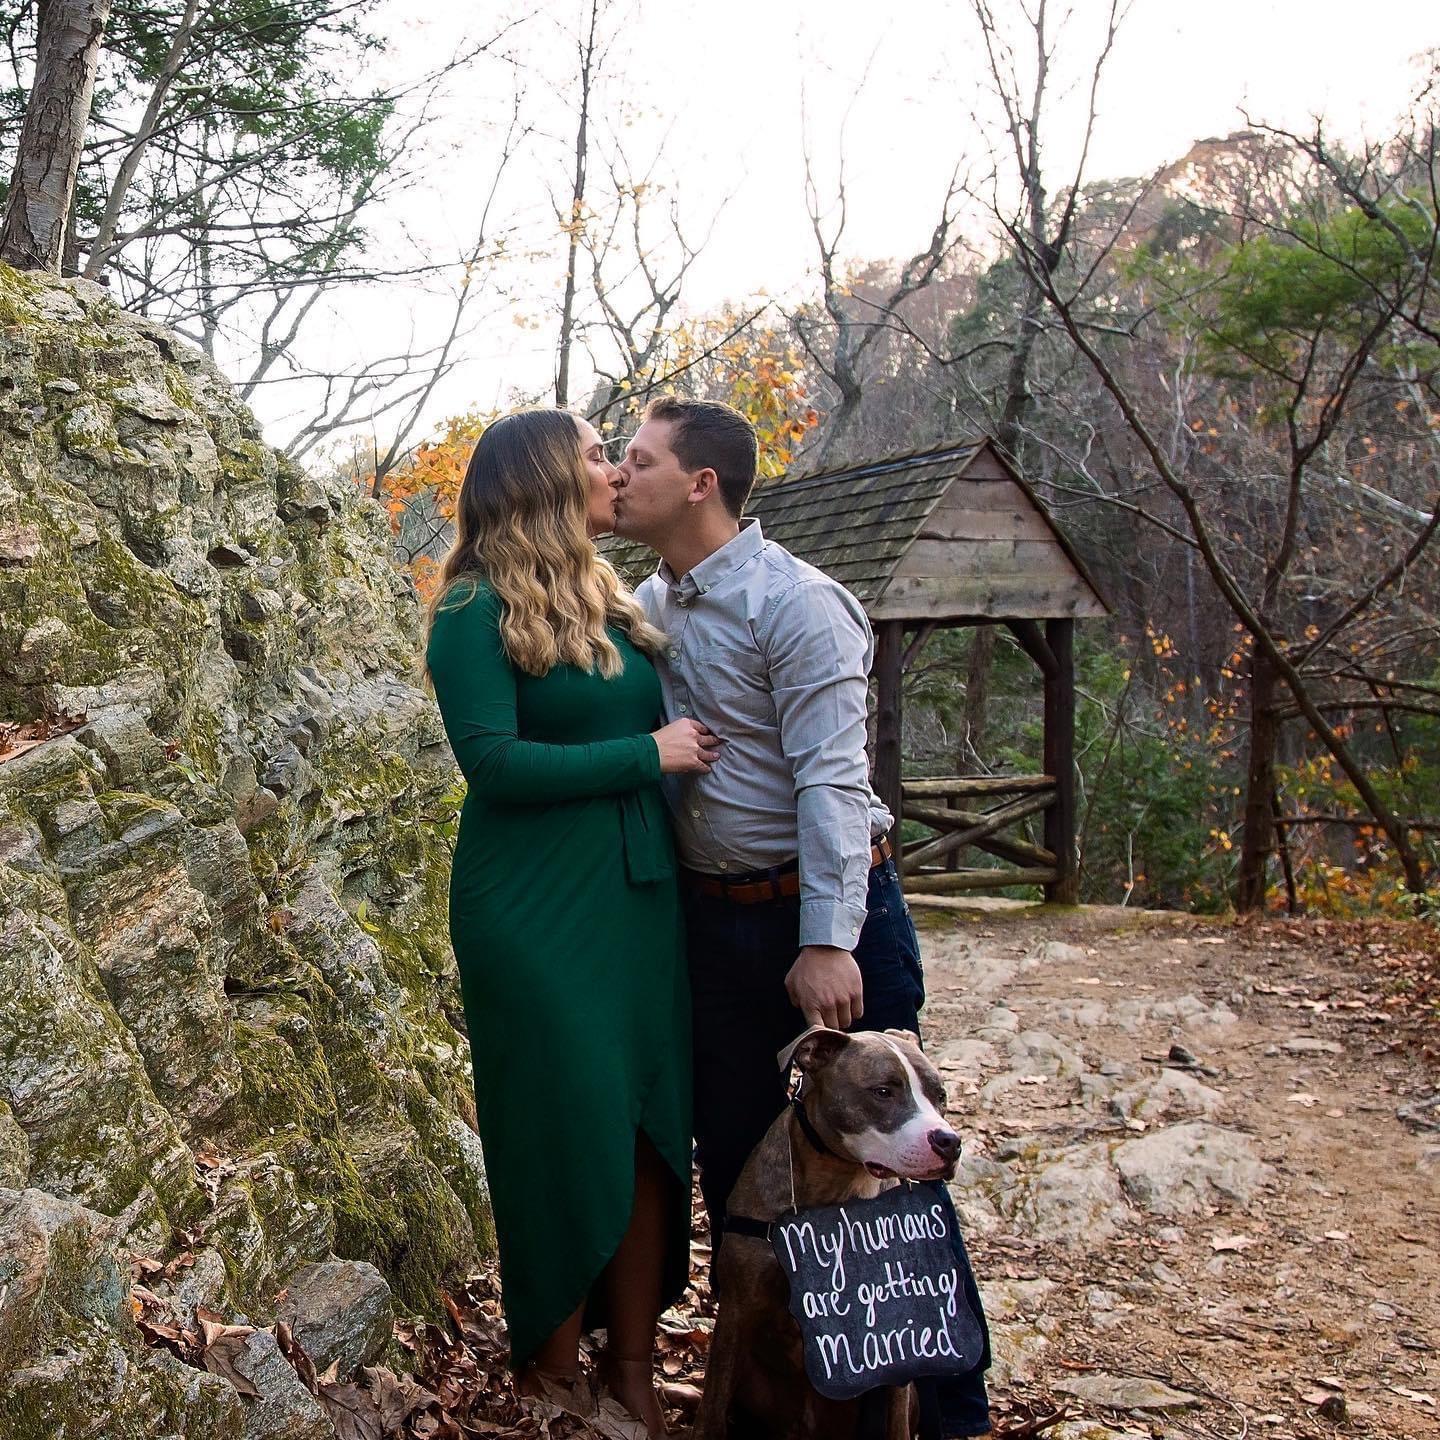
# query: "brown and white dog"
[874,1107]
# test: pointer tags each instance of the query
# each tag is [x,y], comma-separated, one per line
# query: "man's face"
[654,492]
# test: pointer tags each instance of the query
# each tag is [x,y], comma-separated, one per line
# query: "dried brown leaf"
[222,1350]
[397,1397]
[350,1410]
[294,1352]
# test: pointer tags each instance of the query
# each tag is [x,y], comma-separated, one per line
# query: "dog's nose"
[945,1143]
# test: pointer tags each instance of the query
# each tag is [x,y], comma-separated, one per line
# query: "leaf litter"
[457,1385]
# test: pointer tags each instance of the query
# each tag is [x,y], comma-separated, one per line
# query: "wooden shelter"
[934,539]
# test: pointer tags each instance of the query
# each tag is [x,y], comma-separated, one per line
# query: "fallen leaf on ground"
[222,1345]
[398,1397]
[16,738]
[1418,1396]
[351,1410]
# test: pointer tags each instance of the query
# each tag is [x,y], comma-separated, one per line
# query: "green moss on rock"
[215,611]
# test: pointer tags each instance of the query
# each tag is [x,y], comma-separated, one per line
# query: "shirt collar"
[717,565]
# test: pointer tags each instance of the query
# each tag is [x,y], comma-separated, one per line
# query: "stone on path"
[1311,1045]
[1073,1198]
[965,1056]
[1188,1169]
[1000,1023]
[1057,952]
[1036,1052]
[1005,1299]
[1126,1392]
[1067,1196]
[1173,1095]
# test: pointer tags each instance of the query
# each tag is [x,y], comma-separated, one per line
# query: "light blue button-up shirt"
[773,655]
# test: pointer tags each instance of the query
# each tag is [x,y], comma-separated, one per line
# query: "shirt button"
[695,814]
[683,709]
[724,864]
[674,654]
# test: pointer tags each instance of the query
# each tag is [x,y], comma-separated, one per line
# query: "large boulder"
[69,1352]
[231,1011]
[1192,1169]
[339,1311]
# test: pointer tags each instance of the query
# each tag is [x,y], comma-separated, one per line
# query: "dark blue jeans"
[739,957]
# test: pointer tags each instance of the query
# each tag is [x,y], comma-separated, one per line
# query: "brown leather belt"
[776,885]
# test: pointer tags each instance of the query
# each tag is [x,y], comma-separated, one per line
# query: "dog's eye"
[881,1092]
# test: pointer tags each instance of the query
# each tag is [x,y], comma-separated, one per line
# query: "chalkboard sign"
[876,1288]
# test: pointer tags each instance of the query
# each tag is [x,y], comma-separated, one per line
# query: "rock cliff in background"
[227,1001]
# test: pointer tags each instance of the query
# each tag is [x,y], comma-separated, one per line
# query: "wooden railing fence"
[953,807]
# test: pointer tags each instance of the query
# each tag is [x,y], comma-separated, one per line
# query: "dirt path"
[1259,1232]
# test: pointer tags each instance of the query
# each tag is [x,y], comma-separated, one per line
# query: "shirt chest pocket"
[737,685]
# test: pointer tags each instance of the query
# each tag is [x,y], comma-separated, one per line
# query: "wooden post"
[889,654]
[1060,762]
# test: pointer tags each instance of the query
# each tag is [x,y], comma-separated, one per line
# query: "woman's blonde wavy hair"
[520,526]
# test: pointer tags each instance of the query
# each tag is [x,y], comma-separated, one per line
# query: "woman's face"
[600,518]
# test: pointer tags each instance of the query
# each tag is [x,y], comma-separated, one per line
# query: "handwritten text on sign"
[876,1289]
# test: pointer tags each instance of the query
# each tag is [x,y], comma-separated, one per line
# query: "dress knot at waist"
[649,857]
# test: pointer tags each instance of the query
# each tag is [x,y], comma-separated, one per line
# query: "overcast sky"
[731,89]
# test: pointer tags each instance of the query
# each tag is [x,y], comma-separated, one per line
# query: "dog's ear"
[813,1050]
[907,1035]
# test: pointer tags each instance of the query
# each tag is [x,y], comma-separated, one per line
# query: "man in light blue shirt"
[794,910]
[779,654]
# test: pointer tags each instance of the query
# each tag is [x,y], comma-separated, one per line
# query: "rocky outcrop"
[229,1019]
[339,1312]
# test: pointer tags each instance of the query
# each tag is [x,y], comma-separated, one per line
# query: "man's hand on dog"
[824,985]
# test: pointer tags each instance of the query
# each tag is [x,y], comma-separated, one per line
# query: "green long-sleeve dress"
[567,932]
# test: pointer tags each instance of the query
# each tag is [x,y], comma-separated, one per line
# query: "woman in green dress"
[563,905]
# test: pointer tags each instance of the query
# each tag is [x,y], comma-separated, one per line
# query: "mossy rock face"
[231,1007]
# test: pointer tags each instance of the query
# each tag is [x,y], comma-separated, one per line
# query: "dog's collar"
[744,1225]
[809,1130]
[765,1229]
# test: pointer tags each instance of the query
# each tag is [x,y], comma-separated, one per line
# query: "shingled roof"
[858,523]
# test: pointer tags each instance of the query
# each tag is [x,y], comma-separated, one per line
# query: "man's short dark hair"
[708,435]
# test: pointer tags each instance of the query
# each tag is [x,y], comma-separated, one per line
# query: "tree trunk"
[48,159]
[566,342]
[103,246]
[1259,821]
[977,695]
[1282,844]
